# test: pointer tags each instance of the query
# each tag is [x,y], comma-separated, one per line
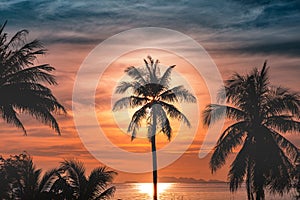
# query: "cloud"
[233,23]
[289,48]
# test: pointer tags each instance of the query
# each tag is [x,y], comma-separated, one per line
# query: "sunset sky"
[238,35]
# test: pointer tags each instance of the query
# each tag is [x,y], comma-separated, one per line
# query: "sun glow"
[148,187]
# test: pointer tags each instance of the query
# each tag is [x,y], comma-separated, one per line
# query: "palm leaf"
[283,123]
[10,115]
[135,122]
[107,194]
[290,149]
[174,113]
[233,137]
[129,102]
[239,167]
[282,100]
[214,112]
[135,74]
[98,181]
[48,180]
[124,86]
[166,77]
[178,94]
[32,74]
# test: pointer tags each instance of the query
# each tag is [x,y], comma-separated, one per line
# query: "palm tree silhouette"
[21,85]
[96,186]
[20,179]
[154,97]
[297,176]
[266,158]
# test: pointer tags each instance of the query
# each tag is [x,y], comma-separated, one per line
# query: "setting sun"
[148,187]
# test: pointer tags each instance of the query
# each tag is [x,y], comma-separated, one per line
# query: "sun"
[148,187]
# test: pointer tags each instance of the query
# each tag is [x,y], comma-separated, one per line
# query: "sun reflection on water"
[147,188]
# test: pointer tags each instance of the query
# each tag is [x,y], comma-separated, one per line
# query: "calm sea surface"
[185,191]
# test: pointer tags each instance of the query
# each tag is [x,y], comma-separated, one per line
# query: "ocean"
[186,191]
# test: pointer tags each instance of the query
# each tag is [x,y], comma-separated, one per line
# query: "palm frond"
[34,99]
[239,168]
[17,38]
[156,69]
[241,126]
[42,115]
[178,94]
[280,100]
[233,88]
[107,194]
[231,138]
[76,174]
[32,74]
[2,27]
[151,70]
[290,149]
[164,123]
[283,123]
[166,77]
[214,112]
[135,122]
[98,181]
[10,115]
[263,79]
[174,113]
[23,57]
[124,86]
[278,166]
[48,180]
[135,74]
[129,102]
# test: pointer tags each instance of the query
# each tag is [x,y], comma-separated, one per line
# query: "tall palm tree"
[96,186]
[152,94]
[297,176]
[21,81]
[261,111]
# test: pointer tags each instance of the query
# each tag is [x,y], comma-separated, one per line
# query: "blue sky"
[243,27]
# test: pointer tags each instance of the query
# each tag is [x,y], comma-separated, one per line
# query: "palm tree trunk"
[248,182]
[154,158]
[154,164]
[260,194]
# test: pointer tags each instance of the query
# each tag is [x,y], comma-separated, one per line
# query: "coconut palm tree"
[151,93]
[261,113]
[21,81]
[20,179]
[297,176]
[96,186]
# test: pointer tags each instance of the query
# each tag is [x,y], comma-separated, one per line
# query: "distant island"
[171,179]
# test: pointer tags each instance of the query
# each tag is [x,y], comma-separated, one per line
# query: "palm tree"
[96,186]
[261,111]
[154,98]
[20,179]
[297,176]
[21,85]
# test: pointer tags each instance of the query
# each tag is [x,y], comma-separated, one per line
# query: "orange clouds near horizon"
[49,149]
